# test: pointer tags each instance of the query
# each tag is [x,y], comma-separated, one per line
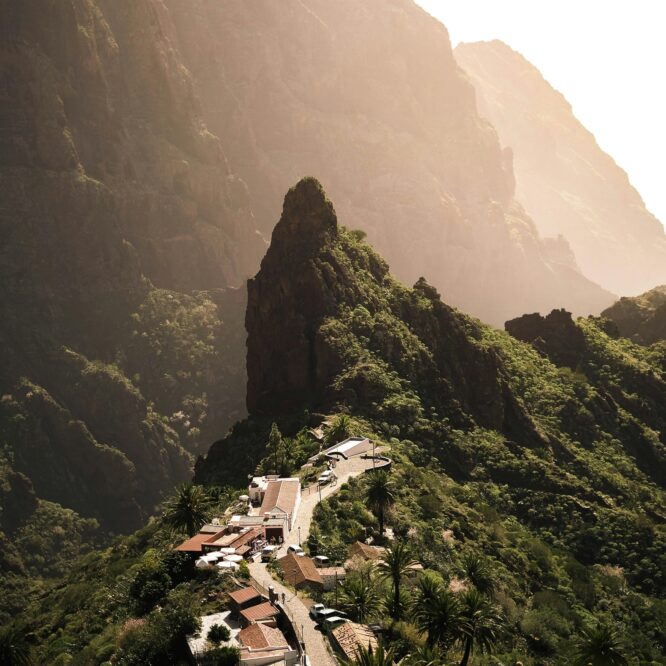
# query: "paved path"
[316,645]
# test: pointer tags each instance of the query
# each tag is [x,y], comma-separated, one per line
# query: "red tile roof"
[245,594]
[263,611]
[350,636]
[282,495]
[195,543]
[261,636]
[299,569]
[367,552]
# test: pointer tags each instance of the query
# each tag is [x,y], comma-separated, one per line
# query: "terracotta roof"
[281,495]
[260,612]
[245,594]
[299,569]
[365,551]
[332,571]
[350,636]
[261,636]
[195,543]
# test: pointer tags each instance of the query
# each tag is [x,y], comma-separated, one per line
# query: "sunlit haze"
[605,56]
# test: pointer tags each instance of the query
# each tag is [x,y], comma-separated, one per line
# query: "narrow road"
[316,645]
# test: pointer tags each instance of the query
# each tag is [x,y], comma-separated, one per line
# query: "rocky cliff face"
[567,184]
[642,318]
[367,97]
[112,186]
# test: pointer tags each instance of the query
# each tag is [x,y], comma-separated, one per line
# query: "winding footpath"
[316,645]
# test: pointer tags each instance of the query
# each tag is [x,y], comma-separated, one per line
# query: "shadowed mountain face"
[565,181]
[641,318]
[117,203]
[367,97]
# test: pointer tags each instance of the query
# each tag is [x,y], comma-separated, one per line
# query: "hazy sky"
[606,56]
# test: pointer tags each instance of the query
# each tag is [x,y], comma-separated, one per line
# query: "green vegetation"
[189,508]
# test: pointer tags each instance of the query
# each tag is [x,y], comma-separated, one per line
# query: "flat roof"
[346,445]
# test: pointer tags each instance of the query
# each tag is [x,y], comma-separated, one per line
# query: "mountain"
[368,97]
[541,449]
[126,241]
[528,466]
[641,318]
[567,183]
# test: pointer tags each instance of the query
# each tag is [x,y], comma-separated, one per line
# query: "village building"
[352,446]
[244,542]
[350,636]
[264,612]
[195,545]
[281,501]
[262,644]
[365,551]
[300,572]
[331,576]
[244,598]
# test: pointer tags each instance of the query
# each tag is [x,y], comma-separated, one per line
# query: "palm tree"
[14,648]
[600,646]
[366,656]
[340,429]
[477,572]
[189,508]
[397,562]
[380,495]
[359,598]
[481,623]
[437,612]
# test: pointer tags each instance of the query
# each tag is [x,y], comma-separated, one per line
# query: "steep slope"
[368,97]
[563,178]
[546,453]
[117,205]
[641,318]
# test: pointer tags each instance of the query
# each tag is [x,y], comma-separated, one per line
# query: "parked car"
[321,561]
[315,610]
[296,550]
[268,553]
[332,622]
[325,613]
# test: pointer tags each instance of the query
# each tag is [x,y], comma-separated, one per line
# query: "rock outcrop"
[566,182]
[641,318]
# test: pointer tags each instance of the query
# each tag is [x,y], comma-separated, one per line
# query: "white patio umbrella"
[226,551]
[231,566]
[233,558]
[214,555]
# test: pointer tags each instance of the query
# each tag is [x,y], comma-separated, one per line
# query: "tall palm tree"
[188,508]
[437,612]
[14,648]
[481,624]
[367,656]
[600,646]
[397,562]
[359,598]
[380,495]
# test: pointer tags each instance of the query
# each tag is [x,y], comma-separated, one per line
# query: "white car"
[296,550]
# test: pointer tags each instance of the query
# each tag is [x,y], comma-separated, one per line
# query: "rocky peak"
[308,220]
[555,335]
